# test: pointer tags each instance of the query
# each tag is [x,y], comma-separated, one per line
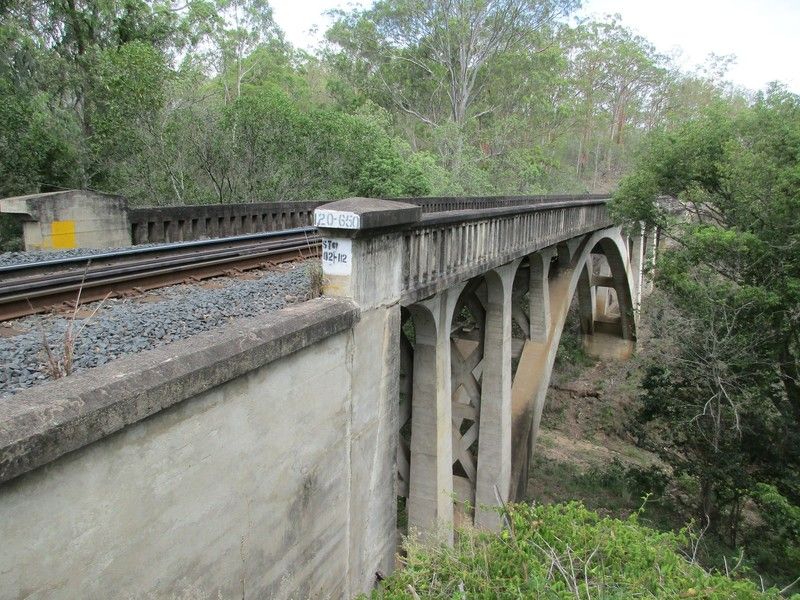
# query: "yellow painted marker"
[63,234]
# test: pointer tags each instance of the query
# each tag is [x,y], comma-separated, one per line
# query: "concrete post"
[430,502]
[649,259]
[637,264]
[362,260]
[539,294]
[494,441]
[587,300]
[604,295]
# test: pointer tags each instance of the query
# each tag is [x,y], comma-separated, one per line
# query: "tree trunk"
[707,509]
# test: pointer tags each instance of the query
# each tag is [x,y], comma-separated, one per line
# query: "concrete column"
[430,502]
[636,260]
[587,300]
[494,437]
[362,260]
[603,285]
[539,294]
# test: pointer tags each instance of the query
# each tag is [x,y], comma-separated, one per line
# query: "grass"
[562,551]
[316,279]
[59,357]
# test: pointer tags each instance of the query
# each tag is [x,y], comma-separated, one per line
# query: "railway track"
[37,287]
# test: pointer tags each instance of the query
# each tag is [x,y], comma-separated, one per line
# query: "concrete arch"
[530,384]
[473,421]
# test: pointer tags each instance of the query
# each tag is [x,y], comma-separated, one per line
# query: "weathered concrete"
[156,224]
[359,214]
[381,253]
[494,442]
[363,262]
[538,298]
[374,364]
[243,490]
[45,422]
[486,247]
[430,499]
[71,219]
[183,223]
[447,248]
[261,460]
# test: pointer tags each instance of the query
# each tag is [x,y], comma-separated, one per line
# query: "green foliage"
[160,102]
[779,533]
[511,106]
[721,396]
[10,234]
[34,147]
[562,551]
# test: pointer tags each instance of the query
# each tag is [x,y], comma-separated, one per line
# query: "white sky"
[764,35]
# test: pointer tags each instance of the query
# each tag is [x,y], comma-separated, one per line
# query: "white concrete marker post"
[362,259]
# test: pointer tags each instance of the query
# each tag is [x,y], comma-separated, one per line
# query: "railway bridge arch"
[476,303]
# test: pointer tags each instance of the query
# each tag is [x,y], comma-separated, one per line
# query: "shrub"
[562,551]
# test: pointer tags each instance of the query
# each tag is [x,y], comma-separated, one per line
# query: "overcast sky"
[763,34]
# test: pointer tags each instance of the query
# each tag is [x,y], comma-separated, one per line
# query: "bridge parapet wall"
[236,463]
[458,245]
[86,219]
[183,223]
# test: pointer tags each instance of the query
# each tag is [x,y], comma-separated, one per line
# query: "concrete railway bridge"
[266,460]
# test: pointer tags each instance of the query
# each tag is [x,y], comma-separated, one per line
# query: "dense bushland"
[204,101]
[720,397]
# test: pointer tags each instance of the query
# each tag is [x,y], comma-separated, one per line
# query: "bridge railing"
[450,246]
[183,223]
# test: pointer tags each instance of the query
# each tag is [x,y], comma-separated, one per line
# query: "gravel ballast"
[9,259]
[130,325]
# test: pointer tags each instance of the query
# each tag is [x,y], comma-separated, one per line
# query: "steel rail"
[126,271]
[29,283]
[149,250]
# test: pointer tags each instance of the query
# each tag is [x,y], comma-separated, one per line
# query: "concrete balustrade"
[447,247]
[88,219]
[184,223]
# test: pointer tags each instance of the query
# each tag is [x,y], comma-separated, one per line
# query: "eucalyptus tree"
[616,76]
[429,57]
[96,66]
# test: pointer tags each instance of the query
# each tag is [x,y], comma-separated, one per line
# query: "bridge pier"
[362,261]
[430,494]
[494,439]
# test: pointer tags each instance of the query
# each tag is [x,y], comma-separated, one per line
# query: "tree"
[73,54]
[429,56]
[731,399]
